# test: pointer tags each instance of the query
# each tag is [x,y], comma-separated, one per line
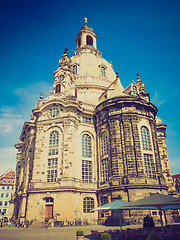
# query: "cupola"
[86,37]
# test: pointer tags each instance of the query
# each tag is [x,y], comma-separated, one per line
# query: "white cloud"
[9,121]
[12,119]
[7,159]
[175,166]
[31,93]
[156,100]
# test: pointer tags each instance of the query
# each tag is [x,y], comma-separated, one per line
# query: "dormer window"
[134,90]
[58,88]
[61,77]
[103,71]
[89,40]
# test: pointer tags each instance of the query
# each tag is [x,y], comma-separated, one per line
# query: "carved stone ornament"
[65,61]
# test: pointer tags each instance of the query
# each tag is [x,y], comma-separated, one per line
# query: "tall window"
[103,71]
[103,144]
[86,146]
[75,69]
[52,170]
[149,166]
[87,171]
[88,204]
[58,88]
[53,143]
[89,40]
[105,169]
[146,144]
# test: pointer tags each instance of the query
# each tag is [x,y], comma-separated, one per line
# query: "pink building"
[176,181]
[6,189]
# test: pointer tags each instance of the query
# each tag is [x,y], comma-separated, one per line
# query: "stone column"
[156,152]
[128,143]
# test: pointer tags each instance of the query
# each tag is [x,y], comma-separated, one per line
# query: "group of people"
[148,222]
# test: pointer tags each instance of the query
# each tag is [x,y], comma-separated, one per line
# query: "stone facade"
[89,142]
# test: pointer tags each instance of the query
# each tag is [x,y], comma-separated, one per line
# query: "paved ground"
[55,233]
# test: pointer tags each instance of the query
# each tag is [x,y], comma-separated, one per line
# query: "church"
[90,142]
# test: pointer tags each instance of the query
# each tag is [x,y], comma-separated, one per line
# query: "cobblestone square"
[55,233]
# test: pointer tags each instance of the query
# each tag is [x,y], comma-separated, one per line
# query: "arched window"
[86,146]
[58,88]
[88,204]
[104,200]
[49,200]
[146,144]
[53,143]
[75,69]
[103,71]
[103,144]
[89,40]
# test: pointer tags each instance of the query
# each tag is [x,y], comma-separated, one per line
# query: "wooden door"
[49,212]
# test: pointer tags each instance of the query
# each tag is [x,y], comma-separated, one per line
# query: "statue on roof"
[85,20]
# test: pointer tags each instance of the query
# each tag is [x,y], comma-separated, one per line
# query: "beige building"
[89,142]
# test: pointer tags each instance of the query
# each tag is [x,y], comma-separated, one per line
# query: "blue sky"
[137,36]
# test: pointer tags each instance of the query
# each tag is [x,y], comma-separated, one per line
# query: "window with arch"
[89,40]
[104,200]
[58,88]
[54,143]
[88,205]
[49,200]
[103,71]
[75,69]
[146,144]
[103,144]
[86,146]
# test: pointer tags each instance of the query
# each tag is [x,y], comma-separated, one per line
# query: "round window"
[61,77]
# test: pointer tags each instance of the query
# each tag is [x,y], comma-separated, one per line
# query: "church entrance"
[49,202]
[49,212]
